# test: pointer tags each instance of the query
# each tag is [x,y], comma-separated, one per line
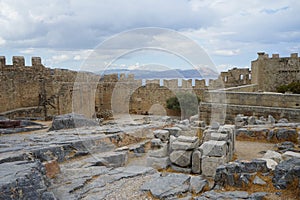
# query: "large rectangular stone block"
[181,158]
[196,162]
[214,148]
[159,153]
[158,163]
[210,164]
[164,135]
[176,145]
[230,151]
[219,136]
[189,139]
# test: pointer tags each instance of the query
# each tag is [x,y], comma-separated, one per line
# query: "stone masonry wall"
[223,105]
[139,98]
[24,88]
[253,98]
[226,112]
[269,73]
[32,86]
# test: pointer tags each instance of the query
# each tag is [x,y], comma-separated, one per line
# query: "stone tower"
[269,73]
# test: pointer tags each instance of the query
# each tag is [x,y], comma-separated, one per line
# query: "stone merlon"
[19,61]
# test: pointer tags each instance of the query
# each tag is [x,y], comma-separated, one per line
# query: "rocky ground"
[110,162]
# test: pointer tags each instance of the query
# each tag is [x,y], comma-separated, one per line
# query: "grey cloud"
[80,24]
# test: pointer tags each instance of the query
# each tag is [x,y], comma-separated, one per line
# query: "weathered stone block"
[158,163]
[197,123]
[242,131]
[229,129]
[184,145]
[171,141]
[185,122]
[173,131]
[166,186]
[215,125]
[214,148]
[271,119]
[258,181]
[196,162]
[194,118]
[197,184]
[181,158]
[189,139]
[181,169]
[271,164]
[210,164]
[290,154]
[22,180]
[156,143]
[273,155]
[283,121]
[219,137]
[256,165]
[283,134]
[230,151]
[159,153]
[251,120]
[239,173]
[207,134]
[183,127]
[112,159]
[162,134]
[71,120]
[286,173]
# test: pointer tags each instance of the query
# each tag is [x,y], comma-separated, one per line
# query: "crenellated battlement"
[175,83]
[2,61]
[19,62]
[21,85]
[263,55]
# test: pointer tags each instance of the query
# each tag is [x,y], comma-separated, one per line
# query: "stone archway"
[157,109]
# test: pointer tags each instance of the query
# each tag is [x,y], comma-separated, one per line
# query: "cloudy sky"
[64,33]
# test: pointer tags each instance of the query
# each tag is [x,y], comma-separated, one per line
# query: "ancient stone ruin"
[243,144]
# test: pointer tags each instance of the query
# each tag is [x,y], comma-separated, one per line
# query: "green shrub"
[186,103]
[293,87]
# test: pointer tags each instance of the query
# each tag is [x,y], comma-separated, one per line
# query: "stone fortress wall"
[30,91]
[139,98]
[269,73]
[27,90]
[255,97]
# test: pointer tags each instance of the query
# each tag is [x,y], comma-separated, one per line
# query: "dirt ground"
[246,150]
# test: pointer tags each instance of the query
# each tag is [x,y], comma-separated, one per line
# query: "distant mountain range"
[203,73]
